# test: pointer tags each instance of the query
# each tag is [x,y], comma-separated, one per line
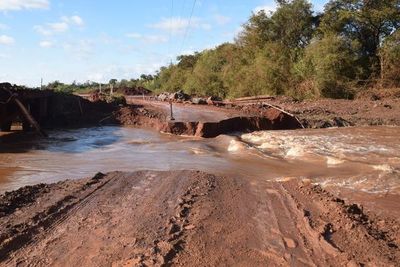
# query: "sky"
[97,40]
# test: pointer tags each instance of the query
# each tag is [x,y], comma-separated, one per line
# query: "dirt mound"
[325,113]
[11,201]
[379,94]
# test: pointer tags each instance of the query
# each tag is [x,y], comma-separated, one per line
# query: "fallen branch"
[108,117]
[30,118]
[25,112]
[284,111]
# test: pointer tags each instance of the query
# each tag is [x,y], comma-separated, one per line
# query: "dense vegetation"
[294,51]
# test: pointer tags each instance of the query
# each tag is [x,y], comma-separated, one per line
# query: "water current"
[365,159]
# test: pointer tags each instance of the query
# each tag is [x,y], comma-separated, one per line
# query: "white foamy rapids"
[276,145]
[236,146]
[384,168]
[331,161]
[295,151]
[335,147]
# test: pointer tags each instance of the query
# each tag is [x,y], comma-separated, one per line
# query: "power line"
[188,26]
[170,30]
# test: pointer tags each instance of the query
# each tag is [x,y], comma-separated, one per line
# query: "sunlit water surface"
[366,159]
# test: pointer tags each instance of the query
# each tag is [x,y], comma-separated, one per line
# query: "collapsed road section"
[49,109]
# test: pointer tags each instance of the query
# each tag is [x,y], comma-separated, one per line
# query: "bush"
[330,64]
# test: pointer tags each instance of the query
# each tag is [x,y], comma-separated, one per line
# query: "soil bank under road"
[189,218]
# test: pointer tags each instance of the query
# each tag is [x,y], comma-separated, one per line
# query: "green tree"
[330,63]
[365,23]
[390,60]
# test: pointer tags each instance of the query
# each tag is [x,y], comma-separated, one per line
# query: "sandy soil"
[188,218]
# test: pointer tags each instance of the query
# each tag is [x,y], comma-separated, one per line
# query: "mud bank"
[184,218]
[147,117]
[324,113]
[50,109]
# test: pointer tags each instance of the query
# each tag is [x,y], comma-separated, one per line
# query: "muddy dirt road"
[187,113]
[188,218]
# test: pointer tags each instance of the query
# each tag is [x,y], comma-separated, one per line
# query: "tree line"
[351,45]
[144,81]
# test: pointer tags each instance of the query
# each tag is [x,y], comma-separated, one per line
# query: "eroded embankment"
[271,120]
[50,109]
[324,113]
[184,218]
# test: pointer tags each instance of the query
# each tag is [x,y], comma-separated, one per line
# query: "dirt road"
[188,218]
[187,112]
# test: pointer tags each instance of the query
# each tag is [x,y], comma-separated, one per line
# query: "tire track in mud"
[353,237]
[287,238]
[172,241]
[188,218]
[44,222]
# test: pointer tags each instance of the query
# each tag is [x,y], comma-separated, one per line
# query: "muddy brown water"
[358,159]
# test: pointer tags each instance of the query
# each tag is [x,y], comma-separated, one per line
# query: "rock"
[290,243]
[163,97]
[98,176]
[352,263]
[212,99]
[190,227]
[354,209]
[387,106]
[182,96]
[174,228]
[199,101]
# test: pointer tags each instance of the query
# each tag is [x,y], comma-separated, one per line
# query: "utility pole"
[100,89]
[41,83]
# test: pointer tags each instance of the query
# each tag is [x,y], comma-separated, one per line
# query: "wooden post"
[80,106]
[172,115]
[29,117]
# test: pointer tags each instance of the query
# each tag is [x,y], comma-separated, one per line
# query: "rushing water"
[366,159]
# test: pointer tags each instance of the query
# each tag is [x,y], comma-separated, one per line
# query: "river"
[365,159]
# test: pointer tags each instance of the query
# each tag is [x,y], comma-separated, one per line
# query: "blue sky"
[98,40]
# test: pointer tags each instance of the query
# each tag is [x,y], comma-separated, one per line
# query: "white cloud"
[148,39]
[42,30]
[134,35]
[81,49]
[105,73]
[4,56]
[178,25]
[222,20]
[6,40]
[267,8]
[3,27]
[73,20]
[59,27]
[46,44]
[23,4]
